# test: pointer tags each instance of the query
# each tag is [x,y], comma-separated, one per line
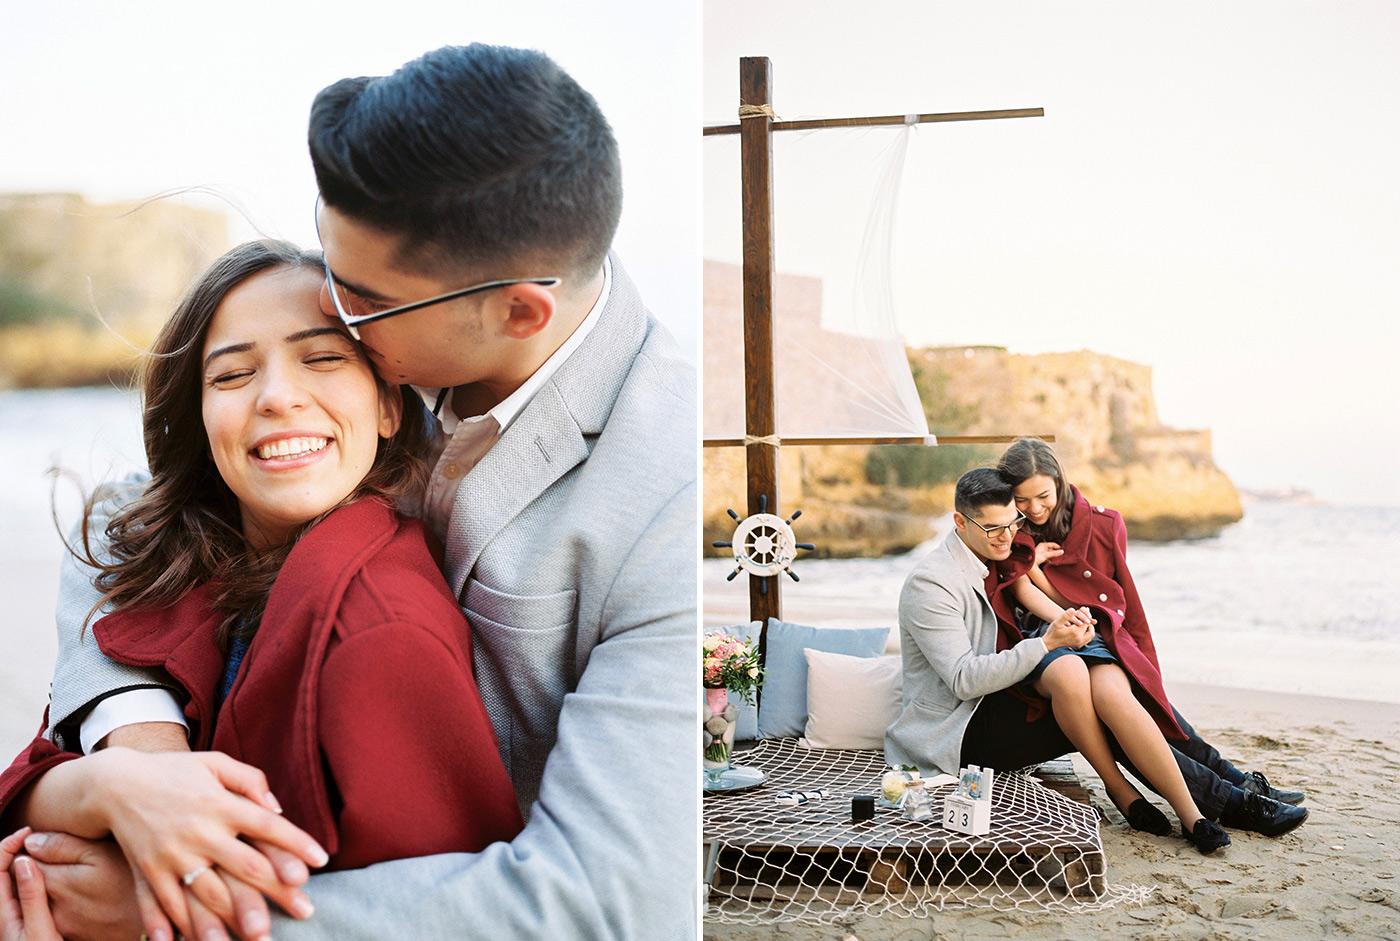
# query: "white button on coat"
[1088,574]
[1103,597]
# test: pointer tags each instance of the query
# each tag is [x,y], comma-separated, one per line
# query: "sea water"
[1325,571]
[84,435]
[1293,598]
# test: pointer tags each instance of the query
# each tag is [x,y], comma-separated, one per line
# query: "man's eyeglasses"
[340,299]
[341,296]
[996,531]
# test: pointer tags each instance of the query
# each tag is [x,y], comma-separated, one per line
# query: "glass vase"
[721,718]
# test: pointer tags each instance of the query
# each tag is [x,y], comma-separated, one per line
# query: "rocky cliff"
[869,501]
[67,265]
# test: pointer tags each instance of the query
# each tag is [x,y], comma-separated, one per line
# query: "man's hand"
[24,907]
[1073,628]
[90,888]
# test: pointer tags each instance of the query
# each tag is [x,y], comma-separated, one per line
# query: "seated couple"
[476,756]
[1030,599]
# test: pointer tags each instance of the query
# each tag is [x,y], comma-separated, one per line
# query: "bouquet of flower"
[727,664]
[732,664]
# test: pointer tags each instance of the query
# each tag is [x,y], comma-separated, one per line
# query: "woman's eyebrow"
[293,338]
[224,350]
[317,332]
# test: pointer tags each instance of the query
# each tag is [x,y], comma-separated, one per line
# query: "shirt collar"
[968,559]
[512,405]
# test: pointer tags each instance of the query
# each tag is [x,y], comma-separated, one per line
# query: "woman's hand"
[1073,628]
[1045,551]
[179,818]
[24,905]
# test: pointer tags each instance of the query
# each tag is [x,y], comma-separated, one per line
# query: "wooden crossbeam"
[809,124]
[915,439]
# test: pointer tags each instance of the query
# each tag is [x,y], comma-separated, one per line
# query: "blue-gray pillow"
[782,712]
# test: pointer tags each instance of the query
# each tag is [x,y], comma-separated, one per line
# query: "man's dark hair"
[979,487]
[483,158]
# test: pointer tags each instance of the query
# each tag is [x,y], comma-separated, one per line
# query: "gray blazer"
[947,634]
[572,548]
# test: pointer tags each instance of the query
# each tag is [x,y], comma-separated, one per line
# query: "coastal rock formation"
[1107,434]
[863,501]
[64,261]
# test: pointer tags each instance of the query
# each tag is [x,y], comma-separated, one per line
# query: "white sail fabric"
[839,362]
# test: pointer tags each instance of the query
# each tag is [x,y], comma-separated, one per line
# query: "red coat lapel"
[179,639]
[271,717]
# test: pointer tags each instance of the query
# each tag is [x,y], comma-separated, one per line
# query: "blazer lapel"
[552,434]
[541,445]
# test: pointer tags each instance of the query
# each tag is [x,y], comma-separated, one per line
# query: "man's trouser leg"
[1201,751]
[999,737]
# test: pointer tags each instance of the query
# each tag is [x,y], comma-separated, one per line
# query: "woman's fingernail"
[293,873]
[24,868]
[159,934]
[319,857]
[271,801]
[214,934]
[255,924]
[302,907]
[36,841]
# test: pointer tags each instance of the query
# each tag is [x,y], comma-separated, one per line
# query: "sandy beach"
[1336,876]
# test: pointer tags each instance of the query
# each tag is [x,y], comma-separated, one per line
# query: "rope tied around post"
[758,111]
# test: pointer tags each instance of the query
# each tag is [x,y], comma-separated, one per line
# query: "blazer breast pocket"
[519,612]
[523,651]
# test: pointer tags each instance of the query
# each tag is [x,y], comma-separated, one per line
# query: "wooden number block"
[967,816]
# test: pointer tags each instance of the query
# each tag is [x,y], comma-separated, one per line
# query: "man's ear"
[390,410]
[959,521]
[528,309]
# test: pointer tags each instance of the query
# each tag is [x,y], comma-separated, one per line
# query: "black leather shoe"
[1207,837]
[1142,815]
[1256,783]
[1264,815]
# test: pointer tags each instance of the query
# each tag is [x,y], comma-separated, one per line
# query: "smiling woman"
[291,407]
[265,569]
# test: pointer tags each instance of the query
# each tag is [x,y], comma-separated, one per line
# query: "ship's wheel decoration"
[764,544]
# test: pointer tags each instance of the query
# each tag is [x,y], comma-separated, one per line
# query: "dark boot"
[1256,783]
[1264,815]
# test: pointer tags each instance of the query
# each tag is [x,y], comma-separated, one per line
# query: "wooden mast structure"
[761,442]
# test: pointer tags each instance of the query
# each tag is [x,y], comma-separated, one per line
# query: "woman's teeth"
[287,448]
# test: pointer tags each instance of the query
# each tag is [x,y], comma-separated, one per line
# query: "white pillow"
[851,700]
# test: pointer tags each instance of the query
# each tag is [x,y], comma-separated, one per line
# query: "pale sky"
[126,100]
[1213,191]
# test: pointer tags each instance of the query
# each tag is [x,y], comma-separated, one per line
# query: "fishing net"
[766,862]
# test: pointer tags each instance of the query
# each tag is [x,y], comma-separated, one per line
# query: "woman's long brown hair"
[1022,461]
[184,530]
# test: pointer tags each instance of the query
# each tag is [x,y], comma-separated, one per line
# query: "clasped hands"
[204,842]
[1073,627]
